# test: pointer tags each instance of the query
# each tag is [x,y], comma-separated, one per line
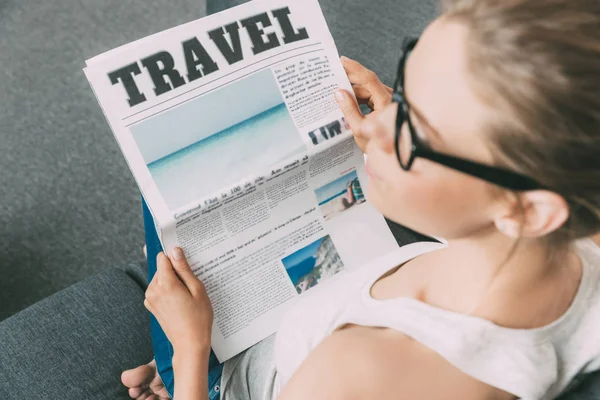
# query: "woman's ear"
[538,213]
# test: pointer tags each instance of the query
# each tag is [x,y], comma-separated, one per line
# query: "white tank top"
[529,363]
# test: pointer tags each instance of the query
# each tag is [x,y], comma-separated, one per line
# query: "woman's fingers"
[357,73]
[354,117]
[175,271]
[164,269]
[350,109]
[368,80]
[183,270]
[364,95]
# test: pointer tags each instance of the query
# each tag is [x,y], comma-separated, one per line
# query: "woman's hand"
[178,300]
[369,90]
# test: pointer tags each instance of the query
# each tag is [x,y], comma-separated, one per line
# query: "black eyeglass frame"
[498,176]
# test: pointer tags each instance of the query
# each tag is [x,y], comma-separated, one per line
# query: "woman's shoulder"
[384,364]
[575,338]
[559,299]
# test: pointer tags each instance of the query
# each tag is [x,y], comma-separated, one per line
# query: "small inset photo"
[328,131]
[340,195]
[309,265]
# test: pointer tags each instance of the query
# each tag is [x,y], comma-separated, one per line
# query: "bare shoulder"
[366,363]
[338,368]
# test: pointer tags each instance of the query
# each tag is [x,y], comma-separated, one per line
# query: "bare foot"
[144,383]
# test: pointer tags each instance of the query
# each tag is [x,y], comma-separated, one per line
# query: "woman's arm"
[179,301]
[191,374]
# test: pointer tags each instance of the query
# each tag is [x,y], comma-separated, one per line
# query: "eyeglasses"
[409,146]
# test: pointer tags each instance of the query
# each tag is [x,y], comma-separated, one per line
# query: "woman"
[490,139]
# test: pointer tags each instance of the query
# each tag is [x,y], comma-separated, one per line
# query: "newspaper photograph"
[231,131]
[254,133]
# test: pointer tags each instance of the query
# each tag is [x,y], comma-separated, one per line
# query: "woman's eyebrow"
[426,123]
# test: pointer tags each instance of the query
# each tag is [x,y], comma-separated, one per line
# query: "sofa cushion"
[75,343]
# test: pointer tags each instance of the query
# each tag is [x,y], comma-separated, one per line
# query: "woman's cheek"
[434,202]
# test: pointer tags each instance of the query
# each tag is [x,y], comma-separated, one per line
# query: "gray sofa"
[75,343]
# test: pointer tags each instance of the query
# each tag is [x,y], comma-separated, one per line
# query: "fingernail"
[344,58]
[340,95]
[177,253]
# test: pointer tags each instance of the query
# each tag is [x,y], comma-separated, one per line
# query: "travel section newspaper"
[230,128]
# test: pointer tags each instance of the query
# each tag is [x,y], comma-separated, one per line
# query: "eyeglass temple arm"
[508,179]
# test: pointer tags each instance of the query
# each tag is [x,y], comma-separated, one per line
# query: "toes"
[139,376]
[144,383]
[136,392]
[157,387]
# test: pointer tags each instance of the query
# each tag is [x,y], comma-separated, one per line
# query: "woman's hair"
[537,62]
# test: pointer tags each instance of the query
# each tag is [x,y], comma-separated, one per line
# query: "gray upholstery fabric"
[587,387]
[69,206]
[75,344]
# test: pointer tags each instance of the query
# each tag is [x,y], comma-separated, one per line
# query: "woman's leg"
[251,375]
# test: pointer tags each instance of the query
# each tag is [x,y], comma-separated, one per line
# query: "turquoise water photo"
[217,139]
[249,147]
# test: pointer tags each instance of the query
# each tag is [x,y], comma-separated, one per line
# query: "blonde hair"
[538,63]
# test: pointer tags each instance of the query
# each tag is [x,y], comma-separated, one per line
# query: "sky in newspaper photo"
[340,195]
[217,139]
[309,265]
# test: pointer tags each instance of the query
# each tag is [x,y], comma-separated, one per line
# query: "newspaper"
[230,128]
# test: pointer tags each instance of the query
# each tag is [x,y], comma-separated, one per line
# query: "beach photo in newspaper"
[246,120]
[340,195]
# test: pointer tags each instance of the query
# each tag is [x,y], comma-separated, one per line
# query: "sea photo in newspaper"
[313,263]
[340,195]
[225,135]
